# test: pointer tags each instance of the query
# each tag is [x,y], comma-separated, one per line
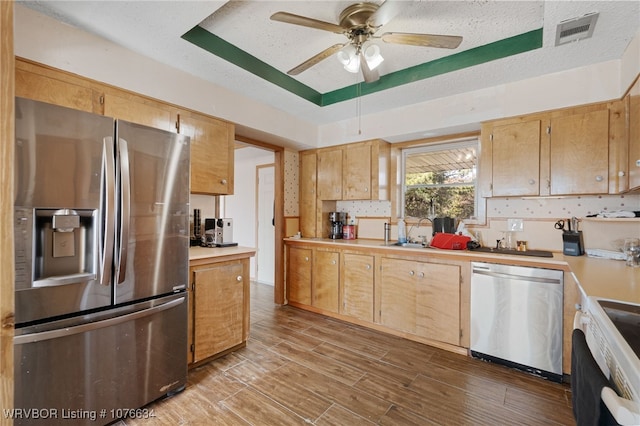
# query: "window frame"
[479,202]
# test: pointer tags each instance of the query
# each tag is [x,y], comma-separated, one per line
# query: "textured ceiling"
[156,29]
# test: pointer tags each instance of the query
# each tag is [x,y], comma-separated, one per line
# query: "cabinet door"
[438,302]
[329,182]
[398,294]
[52,90]
[212,149]
[299,275]
[138,110]
[579,154]
[218,308]
[356,172]
[634,136]
[357,286]
[516,159]
[308,196]
[326,278]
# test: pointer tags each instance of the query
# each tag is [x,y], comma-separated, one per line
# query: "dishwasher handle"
[528,278]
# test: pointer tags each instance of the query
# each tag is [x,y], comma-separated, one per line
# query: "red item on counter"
[447,241]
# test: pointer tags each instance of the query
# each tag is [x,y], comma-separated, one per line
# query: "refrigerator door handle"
[125,213]
[109,198]
[83,328]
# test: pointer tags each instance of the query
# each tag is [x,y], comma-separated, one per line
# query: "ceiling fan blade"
[290,18]
[424,40]
[385,13]
[316,59]
[369,75]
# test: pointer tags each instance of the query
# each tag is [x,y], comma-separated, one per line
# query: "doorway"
[265,227]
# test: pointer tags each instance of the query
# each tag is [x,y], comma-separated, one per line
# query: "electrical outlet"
[515,225]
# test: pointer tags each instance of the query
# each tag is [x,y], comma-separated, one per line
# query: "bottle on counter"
[402,231]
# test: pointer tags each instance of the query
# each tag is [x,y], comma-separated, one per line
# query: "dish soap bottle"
[402,231]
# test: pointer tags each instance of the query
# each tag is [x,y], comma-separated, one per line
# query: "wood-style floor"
[301,368]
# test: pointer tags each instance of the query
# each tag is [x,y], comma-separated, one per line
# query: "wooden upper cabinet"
[579,153]
[516,159]
[356,172]
[52,87]
[634,136]
[135,109]
[329,172]
[212,153]
[570,151]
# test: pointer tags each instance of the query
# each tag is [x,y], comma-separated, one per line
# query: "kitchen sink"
[405,245]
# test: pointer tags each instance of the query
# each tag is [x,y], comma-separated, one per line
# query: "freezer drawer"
[88,372]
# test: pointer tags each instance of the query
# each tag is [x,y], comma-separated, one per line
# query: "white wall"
[45,40]
[241,206]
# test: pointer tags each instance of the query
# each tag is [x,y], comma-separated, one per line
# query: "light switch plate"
[515,225]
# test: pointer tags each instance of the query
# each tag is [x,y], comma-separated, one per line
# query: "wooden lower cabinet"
[325,280]
[421,298]
[219,308]
[358,286]
[299,275]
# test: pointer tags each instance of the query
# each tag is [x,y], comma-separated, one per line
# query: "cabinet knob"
[421,274]
[239,278]
[412,273]
[621,173]
[532,182]
[333,262]
[366,190]
[637,163]
[599,178]
[367,266]
[223,181]
[306,258]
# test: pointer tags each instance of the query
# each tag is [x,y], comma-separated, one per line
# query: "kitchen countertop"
[610,279]
[220,253]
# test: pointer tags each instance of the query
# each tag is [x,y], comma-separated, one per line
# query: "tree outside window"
[440,180]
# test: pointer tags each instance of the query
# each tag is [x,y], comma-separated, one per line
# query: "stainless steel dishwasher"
[516,317]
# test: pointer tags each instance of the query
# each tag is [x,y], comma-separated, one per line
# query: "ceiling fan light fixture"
[372,56]
[346,54]
[353,66]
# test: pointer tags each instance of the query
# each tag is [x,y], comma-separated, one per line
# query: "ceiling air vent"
[576,28]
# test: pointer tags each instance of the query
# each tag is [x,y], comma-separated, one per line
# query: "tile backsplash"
[538,214]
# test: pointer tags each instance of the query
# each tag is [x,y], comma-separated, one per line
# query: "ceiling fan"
[359,22]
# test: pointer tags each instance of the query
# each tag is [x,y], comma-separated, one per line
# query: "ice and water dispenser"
[58,246]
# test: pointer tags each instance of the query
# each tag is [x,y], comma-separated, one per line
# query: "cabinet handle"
[223,181]
[532,182]
[239,278]
[599,178]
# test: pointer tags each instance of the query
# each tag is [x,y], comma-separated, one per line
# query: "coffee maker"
[337,220]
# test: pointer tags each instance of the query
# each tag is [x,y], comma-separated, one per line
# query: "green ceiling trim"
[219,47]
[468,58]
[478,55]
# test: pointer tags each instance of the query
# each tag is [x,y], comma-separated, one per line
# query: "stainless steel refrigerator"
[101,254]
